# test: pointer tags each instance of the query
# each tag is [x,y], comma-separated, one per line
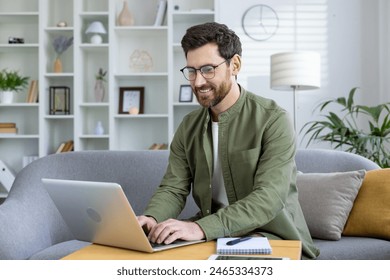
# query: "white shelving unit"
[182,15]
[40,133]
[19,22]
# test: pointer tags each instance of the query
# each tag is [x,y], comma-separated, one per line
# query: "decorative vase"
[125,18]
[57,65]
[100,91]
[7,97]
[99,130]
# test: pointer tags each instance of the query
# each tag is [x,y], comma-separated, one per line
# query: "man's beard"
[218,94]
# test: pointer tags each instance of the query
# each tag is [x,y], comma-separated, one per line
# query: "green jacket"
[257,150]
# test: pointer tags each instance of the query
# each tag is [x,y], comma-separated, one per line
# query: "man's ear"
[236,63]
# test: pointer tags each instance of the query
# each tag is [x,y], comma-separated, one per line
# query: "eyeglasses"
[207,71]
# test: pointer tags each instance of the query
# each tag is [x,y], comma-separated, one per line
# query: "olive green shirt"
[257,150]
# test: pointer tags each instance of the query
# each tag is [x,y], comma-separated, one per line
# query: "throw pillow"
[327,199]
[370,214]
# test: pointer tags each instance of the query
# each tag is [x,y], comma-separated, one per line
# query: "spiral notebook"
[253,246]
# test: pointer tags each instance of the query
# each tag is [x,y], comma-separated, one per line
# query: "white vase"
[7,97]
[99,129]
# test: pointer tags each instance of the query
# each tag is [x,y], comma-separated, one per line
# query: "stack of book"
[66,146]
[9,128]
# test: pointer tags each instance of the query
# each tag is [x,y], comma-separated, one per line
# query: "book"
[161,11]
[32,96]
[60,148]
[7,125]
[66,146]
[251,246]
[11,130]
[156,146]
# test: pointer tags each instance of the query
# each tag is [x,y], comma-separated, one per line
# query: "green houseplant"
[343,131]
[10,82]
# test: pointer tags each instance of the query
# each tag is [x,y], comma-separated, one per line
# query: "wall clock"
[260,22]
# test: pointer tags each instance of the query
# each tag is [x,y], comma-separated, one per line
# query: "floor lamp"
[295,71]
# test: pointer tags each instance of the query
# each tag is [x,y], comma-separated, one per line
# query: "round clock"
[260,22]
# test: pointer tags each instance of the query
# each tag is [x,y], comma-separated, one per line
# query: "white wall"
[346,35]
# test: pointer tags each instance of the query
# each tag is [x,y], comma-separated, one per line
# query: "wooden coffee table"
[280,248]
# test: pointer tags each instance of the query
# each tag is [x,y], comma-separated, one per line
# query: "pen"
[238,240]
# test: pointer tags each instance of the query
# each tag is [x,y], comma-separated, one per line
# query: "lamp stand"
[294,107]
[96,39]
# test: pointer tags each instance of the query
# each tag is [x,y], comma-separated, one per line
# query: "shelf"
[138,28]
[195,12]
[141,116]
[18,136]
[29,105]
[94,104]
[93,136]
[55,29]
[94,47]
[94,15]
[140,74]
[186,104]
[59,117]
[19,17]
[18,47]
[59,75]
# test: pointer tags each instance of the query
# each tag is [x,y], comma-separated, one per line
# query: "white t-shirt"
[218,186]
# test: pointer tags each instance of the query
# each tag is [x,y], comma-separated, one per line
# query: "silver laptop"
[100,213]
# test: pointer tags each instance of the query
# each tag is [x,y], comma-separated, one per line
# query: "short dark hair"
[212,32]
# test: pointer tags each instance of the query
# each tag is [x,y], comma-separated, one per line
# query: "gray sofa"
[32,228]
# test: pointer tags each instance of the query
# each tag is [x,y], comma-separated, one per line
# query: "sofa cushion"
[326,200]
[59,250]
[370,215]
[353,248]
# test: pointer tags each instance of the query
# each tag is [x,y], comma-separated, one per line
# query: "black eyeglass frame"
[200,70]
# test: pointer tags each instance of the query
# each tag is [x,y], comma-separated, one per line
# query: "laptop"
[99,212]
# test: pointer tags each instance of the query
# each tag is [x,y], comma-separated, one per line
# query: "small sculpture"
[141,61]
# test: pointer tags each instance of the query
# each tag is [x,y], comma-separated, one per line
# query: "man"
[236,152]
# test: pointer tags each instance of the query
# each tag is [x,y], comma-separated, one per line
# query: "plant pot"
[57,65]
[7,97]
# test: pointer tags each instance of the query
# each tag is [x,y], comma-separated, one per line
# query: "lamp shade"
[96,27]
[299,70]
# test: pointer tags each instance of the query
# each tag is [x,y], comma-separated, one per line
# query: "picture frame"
[131,97]
[59,100]
[185,94]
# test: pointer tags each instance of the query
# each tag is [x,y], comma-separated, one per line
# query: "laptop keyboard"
[156,245]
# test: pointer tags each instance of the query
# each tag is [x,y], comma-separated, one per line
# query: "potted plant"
[11,82]
[60,44]
[370,140]
[100,90]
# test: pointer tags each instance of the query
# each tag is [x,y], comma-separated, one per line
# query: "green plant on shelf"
[12,81]
[101,75]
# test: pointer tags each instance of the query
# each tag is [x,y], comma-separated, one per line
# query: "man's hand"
[170,230]
[147,223]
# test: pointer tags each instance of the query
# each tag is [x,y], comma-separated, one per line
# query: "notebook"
[99,212]
[254,245]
